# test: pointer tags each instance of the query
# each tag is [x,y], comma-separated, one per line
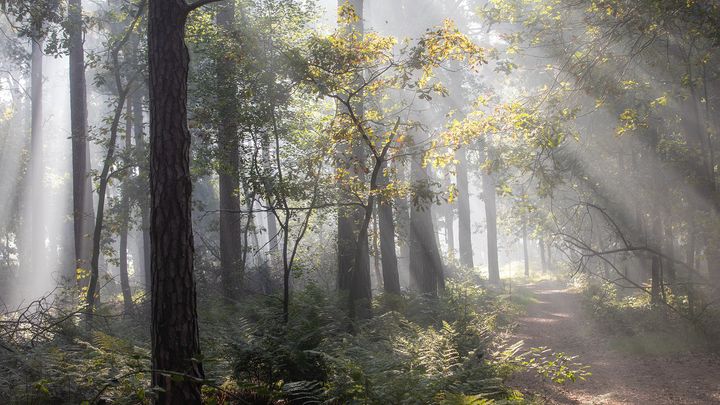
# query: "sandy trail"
[559,322]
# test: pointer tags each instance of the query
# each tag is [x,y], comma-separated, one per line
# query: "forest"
[360,202]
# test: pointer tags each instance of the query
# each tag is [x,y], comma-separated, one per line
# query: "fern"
[304,392]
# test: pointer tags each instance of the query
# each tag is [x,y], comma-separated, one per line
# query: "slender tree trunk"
[38,253]
[391,277]
[543,264]
[175,334]
[669,248]
[690,246]
[548,246]
[143,200]
[449,222]
[125,220]
[525,250]
[92,291]
[82,187]
[376,251]
[271,221]
[402,215]
[231,263]
[655,283]
[690,260]
[464,221]
[488,184]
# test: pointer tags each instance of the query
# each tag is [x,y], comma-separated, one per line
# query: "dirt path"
[557,320]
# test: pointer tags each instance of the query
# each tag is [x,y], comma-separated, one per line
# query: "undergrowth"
[633,324]
[453,349]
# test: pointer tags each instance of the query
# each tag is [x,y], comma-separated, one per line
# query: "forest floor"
[622,372]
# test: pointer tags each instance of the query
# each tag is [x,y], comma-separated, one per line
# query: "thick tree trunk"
[231,262]
[488,184]
[175,334]
[426,269]
[391,277]
[464,222]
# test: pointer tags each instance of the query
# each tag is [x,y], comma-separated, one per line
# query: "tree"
[348,68]
[142,198]
[426,267]
[351,159]
[231,257]
[464,221]
[35,170]
[488,190]
[526,259]
[121,90]
[125,217]
[82,188]
[386,225]
[174,333]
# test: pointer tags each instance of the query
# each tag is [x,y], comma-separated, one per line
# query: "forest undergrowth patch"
[634,325]
[450,349]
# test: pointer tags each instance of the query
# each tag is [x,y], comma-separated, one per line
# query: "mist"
[361,201]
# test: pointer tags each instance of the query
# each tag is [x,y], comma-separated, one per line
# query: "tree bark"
[402,225]
[464,221]
[82,220]
[350,219]
[543,263]
[38,253]
[124,277]
[426,269]
[92,291]
[125,220]
[143,200]
[391,277]
[231,262]
[488,184]
[376,249]
[525,250]
[668,266]
[272,226]
[82,186]
[449,222]
[175,335]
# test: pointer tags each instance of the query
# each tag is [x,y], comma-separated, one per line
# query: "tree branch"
[199,3]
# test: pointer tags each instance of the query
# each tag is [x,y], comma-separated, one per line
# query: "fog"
[548,167]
